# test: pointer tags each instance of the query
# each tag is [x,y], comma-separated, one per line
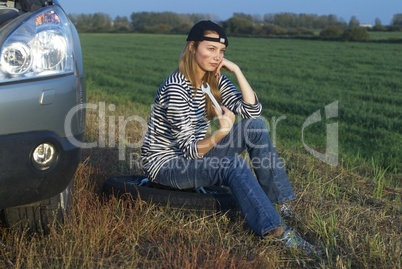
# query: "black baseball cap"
[198,30]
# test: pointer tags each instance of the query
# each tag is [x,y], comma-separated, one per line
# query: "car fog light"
[44,156]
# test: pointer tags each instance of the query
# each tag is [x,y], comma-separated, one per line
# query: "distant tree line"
[240,24]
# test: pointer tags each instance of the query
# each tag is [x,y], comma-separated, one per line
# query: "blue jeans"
[255,192]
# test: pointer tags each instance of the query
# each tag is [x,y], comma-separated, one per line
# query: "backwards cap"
[198,30]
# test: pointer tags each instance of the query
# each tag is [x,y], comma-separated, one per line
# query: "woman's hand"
[226,119]
[226,65]
[245,88]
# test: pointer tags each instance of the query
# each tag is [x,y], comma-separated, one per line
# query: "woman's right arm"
[226,121]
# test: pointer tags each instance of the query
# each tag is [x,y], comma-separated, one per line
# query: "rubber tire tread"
[39,217]
[174,198]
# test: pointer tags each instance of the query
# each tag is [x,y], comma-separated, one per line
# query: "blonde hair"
[187,67]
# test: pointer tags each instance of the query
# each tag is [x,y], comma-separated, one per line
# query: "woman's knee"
[256,129]
[259,124]
[235,167]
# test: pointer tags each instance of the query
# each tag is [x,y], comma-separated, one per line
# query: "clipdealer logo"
[330,156]
[110,139]
[107,137]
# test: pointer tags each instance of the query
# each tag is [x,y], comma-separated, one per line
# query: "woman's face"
[209,54]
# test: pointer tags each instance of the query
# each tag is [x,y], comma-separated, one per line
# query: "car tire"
[39,217]
[217,199]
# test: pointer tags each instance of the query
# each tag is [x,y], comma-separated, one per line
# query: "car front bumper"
[20,181]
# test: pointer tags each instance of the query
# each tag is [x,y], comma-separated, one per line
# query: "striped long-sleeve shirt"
[178,120]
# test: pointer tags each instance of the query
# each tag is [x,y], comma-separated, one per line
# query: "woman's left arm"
[245,88]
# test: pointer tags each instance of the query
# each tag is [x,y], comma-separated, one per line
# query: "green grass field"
[293,79]
[385,35]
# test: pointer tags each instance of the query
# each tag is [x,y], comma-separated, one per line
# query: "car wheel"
[40,216]
[215,199]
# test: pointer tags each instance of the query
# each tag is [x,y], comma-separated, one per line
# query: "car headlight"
[40,46]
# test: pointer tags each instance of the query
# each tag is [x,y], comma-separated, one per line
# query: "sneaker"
[291,239]
[287,212]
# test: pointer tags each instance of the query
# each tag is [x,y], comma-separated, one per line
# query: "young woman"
[177,153]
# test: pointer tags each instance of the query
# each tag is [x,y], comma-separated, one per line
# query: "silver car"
[42,119]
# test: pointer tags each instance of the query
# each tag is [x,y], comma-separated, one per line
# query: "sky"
[366,11]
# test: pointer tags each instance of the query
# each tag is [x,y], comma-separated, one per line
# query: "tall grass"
[353,211]
[337,209]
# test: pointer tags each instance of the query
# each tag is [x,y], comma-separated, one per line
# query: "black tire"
[39,217]
[215,199]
